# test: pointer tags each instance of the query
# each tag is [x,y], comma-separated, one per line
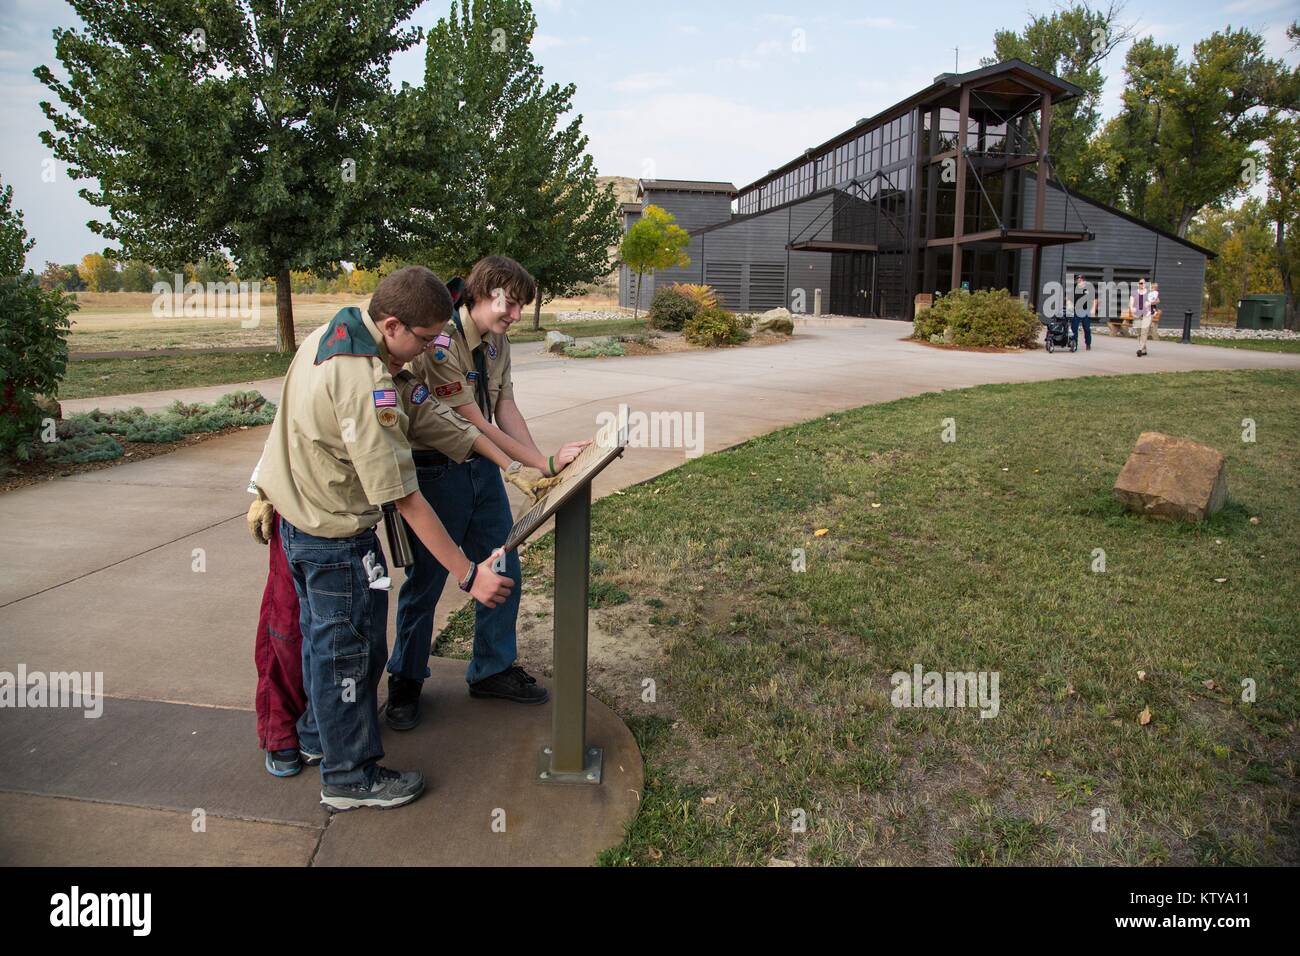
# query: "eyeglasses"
[426,341]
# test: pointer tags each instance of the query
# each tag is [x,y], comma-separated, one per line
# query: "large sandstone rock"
[557,341]
[1173,478]
[775,320]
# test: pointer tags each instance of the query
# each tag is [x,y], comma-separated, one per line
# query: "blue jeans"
[1081,316]
[344,644]
[470,500]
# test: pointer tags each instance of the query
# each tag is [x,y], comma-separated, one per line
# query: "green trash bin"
[1261,312]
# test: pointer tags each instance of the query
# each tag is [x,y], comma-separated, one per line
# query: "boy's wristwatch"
[468,581]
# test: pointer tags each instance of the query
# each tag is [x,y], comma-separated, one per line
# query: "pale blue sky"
[713,90]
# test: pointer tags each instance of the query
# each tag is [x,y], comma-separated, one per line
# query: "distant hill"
[624,186]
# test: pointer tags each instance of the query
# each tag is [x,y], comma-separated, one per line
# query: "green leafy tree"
[242,125]
[1242,238]
[1183,138]
[33,337]
[137,276]
[72,278]
[1283,208]
[1071,43]
[524,185]
[653,242]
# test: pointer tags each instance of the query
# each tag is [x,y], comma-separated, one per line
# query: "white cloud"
[880,23]
[643,82]
[549,41]
[703,136]
[1254,6]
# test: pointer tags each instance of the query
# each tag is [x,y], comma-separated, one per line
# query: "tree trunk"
[284,310]
[1291,316]
[636,302]
[537,311]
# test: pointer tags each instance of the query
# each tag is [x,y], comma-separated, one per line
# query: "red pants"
[278,653]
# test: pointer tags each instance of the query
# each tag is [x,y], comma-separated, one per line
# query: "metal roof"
[943,85]
[684,186]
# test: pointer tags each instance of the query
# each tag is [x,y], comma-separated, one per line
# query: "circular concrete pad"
[484,804]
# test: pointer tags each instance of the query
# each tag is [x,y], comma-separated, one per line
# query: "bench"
[1124,324]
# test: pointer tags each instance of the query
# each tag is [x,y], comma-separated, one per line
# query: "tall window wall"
[883,147]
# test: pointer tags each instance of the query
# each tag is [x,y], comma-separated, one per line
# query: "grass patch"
[775,738]
[95,378]
[523,331]
[1257,345]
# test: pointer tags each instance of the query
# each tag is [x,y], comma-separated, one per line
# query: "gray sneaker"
[390,788]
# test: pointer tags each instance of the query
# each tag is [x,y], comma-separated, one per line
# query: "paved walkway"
[98,573]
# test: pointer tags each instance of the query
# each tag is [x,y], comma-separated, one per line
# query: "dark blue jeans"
[470,500]
[344,645]
[1081,316]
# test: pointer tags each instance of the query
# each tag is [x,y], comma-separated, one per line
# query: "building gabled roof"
[1208,253]
[943,85]
[629,207]
[684,186]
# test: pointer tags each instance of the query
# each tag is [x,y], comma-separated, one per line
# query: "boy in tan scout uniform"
[337,451]
[469,369]
[280,699]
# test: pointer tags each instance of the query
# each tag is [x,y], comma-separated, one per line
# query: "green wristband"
[550,463]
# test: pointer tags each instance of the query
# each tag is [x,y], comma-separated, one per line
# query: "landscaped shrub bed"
[984,318]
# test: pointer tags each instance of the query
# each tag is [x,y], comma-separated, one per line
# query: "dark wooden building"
[905,202]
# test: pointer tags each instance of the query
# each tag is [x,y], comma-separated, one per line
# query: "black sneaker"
[390,788]
[309,757]
[283,763]
[513,683]
[403,711]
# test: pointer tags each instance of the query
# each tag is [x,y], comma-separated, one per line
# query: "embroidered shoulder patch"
[346,335]
[419,394]
[492,350]
[385,397]
[451,388]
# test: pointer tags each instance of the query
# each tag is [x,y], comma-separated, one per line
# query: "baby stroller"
[1059,336]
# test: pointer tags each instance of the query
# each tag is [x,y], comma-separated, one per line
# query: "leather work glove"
[260,515]
[530,482]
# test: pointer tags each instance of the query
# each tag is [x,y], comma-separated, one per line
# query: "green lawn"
[98,377]
[93,378]
[775,692]
[523,332]
[1259,345]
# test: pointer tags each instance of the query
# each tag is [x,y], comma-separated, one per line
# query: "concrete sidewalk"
[100,570]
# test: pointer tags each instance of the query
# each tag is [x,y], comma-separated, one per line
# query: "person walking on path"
[1082,313]
[1139,308]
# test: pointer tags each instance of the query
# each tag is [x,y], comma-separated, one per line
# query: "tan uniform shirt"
[431,425]
[338,447]
[448,369]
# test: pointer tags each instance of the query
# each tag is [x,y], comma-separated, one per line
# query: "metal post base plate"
[592,765]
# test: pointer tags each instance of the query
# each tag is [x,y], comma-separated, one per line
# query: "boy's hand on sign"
[490,588]
[260,515]
[568,452]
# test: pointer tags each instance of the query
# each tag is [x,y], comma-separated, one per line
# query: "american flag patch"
[442,340]
[385,397]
